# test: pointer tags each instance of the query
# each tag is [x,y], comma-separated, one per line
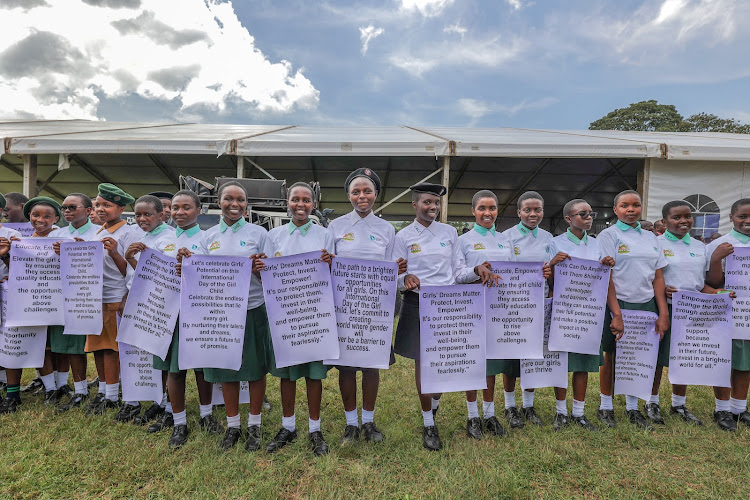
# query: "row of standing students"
[429,253]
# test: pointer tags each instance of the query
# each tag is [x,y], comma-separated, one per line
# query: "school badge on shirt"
[194,247]
[375,238]
[277,254]
[623,248]
[517,250]
[214,246]
[170,247]
[242,243]
[479,246]
[670,253]
[348,237]
[415,248]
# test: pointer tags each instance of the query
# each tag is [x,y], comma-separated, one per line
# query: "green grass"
[71,456]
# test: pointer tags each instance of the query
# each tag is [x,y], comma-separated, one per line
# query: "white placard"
[217,396]
[636,354]
[81,264]
[140,380]
[35,288]
[737,278]
[552,371]
[20,347]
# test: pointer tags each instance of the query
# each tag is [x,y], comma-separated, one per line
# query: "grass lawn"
[71,456]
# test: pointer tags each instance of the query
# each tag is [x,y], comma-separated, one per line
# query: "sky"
[463,63]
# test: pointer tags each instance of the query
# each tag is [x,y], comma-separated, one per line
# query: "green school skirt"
[741,355]
[171,362]
[256,351]
[510,367]
[608,340]
[584,362]
[65,344]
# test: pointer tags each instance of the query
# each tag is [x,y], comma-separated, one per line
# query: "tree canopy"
[650,116]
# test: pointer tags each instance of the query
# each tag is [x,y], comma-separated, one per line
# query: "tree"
[703,122]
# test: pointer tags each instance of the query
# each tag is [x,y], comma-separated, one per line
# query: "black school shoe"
[93,404]
[583,422]
[560,422]
[211,425]
[318,444]
[530,415]
[514,418]
[686,415]
[93,383]
[252,442]
[281,439]
[494,427]
[179,436]
[165,421]
[151,414]
[75,401]
[128,413]
[725,421]
[33,386]
[372,433]
[431,438]
[608,417]
[743,418]
[9,405]
[653,413]
[60,394]
[351,435]
[231,438]
[637,418]
[474,428]
[51,397]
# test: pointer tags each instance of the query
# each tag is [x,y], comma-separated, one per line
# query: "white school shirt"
[585,248]
[686,262]
[8,233]
[530,245]
[242,239]
[482,245]
[734,238]
[87,232]
[190,239]
[292,240]
[638,254]
[368,237]
[115,284]
[433,255]
[161,240]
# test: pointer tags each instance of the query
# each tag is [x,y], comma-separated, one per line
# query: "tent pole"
[446,182]
[240,167]
[29,176]
[407,190]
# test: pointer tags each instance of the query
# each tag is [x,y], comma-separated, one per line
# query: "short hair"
[228,184]
[152,200]
[190,194]
[626,192]
[673,204]
[529,195]
[16,198]
[484,193]
[568,208]
[84,199]
[735,206]
[300,184]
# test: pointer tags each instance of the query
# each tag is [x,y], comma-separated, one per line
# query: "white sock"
[3,377]
[233,422]
[163,402]
[510,399]
[578,407]
[102,387]
[528,399]
[112,391]
[473,409]
[435,403]
[313,425]
[81,387]
[180,418]
[62,378]
[606,402]
[289,423]
[738,405]
[367,416]
[678,400]
[722,405]
[631,403]
[254,419]
[168,408]
[133,403]
[561,406]
[206,410]
[50,384]
[488,409]
[427,418]
[352,418]
[654,399]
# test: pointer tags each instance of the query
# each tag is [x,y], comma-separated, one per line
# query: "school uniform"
[584,248]
[433,255]
[243,239]
[8,233]
[740,348]
[637,254]
[292,240]
[487,245]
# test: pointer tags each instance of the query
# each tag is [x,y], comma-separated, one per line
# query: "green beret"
[2,201]
[41,200]
[112,193]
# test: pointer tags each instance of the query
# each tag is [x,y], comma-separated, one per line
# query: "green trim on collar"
[190,232]
[158,229]
[483,230]
[624,227]
[81,229]
[671,237]
[572,237]
[235,227]
[739,236]
[525,230]
[304,228]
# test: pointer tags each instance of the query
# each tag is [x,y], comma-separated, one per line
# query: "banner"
[452,338]
[81,268]
[637,350]
[213,306]
[737,278]
[153,304]
[580,301]
[364,295]
[299,301]
[25,228]
[35,288]
[140,380]
[217,396]
[515,312]
[700,352]
[552,371]
[20,347]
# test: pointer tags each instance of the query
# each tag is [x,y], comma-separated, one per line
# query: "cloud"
[457,29]
[367,35]
[514,4]
[67,61]
[428,8]
[24,4]
[476,109]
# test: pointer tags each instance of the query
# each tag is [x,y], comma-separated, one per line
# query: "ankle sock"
[254,419]
[102,387]
[561,406]
[289,423]
[168,408]
[738,405]
[654,399]
[427,418]
[606,402]
[367,416]
[435,403]
[180,418]
[528,399]
[206,410]
[313,425]
[488,409]
[578,407]
[722,405]
[352,417]
[112,391]
[50,384]
[678,400]
[510,399]
[62,378]
[81,387]
[631,403]
[233,422]
[13,392]
[473,409]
